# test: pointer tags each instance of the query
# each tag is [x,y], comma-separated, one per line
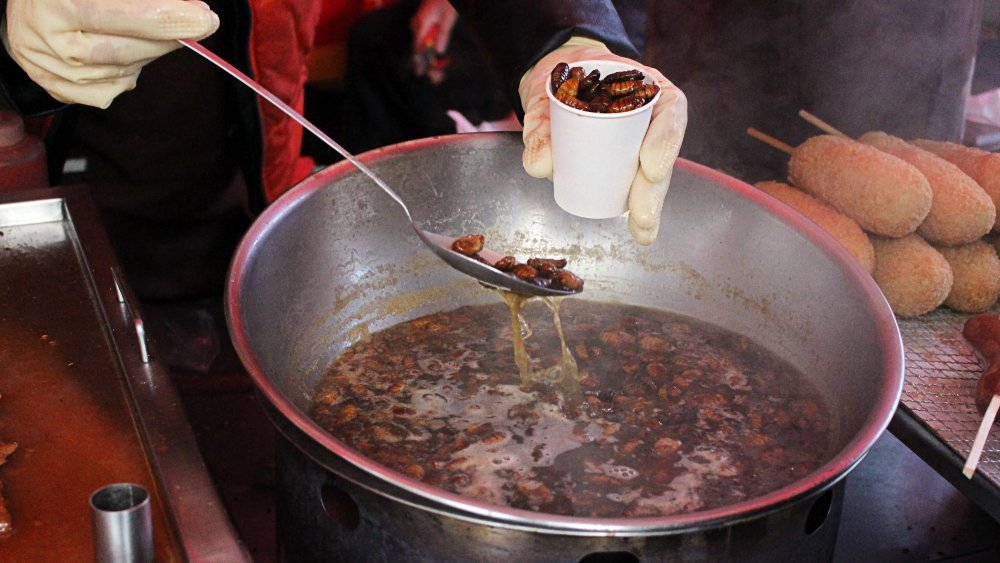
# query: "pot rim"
[890,342]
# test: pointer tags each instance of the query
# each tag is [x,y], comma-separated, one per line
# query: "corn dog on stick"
[976,269]
[884,194]
[914,277]
[958,210]
[982,166]
[961,211]
[839,226]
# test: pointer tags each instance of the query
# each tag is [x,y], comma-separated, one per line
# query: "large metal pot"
[335,259]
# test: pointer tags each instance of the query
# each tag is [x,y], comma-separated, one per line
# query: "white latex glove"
[659,147]
[90,51]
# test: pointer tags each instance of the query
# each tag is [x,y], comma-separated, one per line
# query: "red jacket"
[279,49]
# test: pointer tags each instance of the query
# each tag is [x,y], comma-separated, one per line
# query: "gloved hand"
[659,147]
[89,52]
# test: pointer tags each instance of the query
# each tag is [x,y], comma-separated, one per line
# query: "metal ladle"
[439,244]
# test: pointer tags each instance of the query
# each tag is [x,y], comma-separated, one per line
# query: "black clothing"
[173,165]
[385,102]
[162,164]
[516,33]
[174,168]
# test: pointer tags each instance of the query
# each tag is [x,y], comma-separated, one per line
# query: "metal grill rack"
[937,417]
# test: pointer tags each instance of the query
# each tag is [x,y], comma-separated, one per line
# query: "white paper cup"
[595,156]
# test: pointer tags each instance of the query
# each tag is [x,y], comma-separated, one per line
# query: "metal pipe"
[123,526]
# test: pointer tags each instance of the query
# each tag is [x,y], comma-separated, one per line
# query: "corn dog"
[884,194]
[914,277]
[976,269]
[961,211]
[982,166]
[839,226]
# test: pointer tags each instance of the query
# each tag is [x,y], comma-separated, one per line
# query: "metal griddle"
[84,397]
[937,416]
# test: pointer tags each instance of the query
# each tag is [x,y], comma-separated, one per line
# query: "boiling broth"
[673,415]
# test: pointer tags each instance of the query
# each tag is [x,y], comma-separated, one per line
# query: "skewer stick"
[760,135]
[980,441]
[824,126]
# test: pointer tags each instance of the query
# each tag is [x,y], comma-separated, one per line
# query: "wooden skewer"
[980,441]
[782,146]
[760,135]
[824,126]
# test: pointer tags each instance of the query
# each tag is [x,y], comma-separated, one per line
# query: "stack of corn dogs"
[919,215]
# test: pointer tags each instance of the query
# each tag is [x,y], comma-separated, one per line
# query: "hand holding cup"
[651,163]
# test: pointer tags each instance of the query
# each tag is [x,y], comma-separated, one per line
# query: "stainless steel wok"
[332,261]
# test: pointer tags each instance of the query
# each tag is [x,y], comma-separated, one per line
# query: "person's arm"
[516,33]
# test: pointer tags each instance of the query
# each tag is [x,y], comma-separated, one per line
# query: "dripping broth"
[672,415]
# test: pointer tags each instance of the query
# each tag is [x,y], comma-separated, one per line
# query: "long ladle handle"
[269,96]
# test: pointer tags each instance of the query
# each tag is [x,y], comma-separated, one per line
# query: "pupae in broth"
[674,415]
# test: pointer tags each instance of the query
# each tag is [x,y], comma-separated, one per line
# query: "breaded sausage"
[884,194]
[914,277]
[839,226]
[982,166]
[976,269]
[983,332]
[961,211]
